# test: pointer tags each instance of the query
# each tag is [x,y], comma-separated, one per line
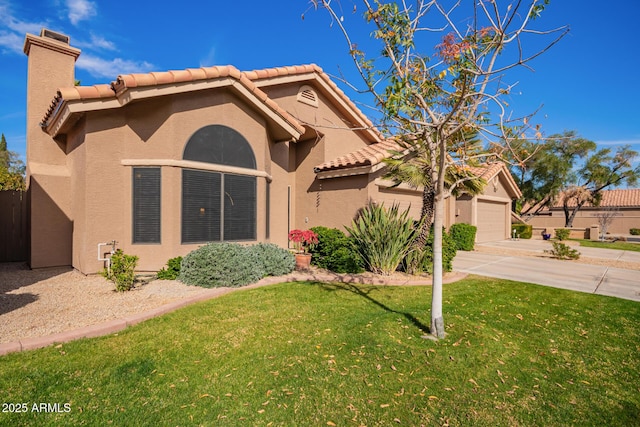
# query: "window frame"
[226,148]
[136,217]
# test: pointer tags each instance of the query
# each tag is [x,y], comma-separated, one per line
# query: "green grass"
[623,246]
[310,354]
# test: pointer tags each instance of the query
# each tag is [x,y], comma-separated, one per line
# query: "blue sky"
[587,83]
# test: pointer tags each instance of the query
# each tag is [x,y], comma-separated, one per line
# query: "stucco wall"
[158,129]
[329,202]
[625,219]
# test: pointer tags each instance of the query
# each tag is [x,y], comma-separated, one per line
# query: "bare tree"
[605,218]
[436,70]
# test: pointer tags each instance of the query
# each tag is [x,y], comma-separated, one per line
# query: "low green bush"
[464,236]
[276,261]
[221,264]
[122,270]
[172,271]
[382,237]
[524,231]
[335,251]
[234,265]
[562,233]
[634,231]
[449,250]
[562,251]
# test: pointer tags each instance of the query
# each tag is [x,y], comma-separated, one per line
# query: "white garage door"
[492,223]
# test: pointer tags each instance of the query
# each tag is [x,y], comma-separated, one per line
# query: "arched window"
[218,206]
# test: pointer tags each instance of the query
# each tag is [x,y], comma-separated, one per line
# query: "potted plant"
[302,241]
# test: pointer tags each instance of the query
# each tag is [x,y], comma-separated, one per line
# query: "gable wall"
[326,119]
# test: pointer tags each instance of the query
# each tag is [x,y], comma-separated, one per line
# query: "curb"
[113,326]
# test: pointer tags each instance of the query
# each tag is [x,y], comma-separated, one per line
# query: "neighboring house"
[164,162]
[625,204]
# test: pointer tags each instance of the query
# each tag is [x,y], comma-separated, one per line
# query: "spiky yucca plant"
[383,236]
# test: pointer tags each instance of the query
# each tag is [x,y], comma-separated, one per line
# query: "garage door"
[492,223]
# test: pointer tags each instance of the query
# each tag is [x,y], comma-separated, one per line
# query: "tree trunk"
[570,215]
[426,216]
[437,320]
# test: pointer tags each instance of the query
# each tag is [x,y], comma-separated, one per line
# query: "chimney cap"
[54,35]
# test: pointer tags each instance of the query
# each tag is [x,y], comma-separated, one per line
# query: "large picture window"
[218,206]
[146,205]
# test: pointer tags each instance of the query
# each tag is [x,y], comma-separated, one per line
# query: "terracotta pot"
[303,261]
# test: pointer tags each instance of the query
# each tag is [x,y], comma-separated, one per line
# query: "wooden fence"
[13,226]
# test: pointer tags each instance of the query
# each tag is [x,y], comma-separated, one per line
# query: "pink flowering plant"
[303,240]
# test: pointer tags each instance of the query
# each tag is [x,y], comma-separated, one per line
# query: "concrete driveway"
[595,279]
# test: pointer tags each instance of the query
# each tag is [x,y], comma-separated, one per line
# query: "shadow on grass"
[365,292]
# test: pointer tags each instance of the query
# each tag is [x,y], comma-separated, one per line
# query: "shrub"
[122,270]
[634,231]
[382,237]
[524,231]
[562,233]
[335,251]
[562,251]
[276,261]
[221,264]
[172,271]
[464,236]
[449,250]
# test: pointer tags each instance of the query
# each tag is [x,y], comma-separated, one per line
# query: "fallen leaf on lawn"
[384,405]
[519,316]
[433,397]
[331,423]
[473,382]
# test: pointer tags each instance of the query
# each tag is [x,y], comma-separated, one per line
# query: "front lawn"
[312,354]
[623,246]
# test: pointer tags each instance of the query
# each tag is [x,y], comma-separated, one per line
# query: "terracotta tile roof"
[488,170]
[366,156]
[247,79]
[130,81]
[620,198]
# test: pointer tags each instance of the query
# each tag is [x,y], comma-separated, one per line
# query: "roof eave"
[66,112]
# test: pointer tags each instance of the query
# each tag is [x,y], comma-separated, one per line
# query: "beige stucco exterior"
[80,168]
[626,218]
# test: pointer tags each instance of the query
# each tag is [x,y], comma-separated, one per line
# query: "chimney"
[51,65]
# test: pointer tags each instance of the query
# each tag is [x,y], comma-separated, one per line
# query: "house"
[624,204]
[163,162]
